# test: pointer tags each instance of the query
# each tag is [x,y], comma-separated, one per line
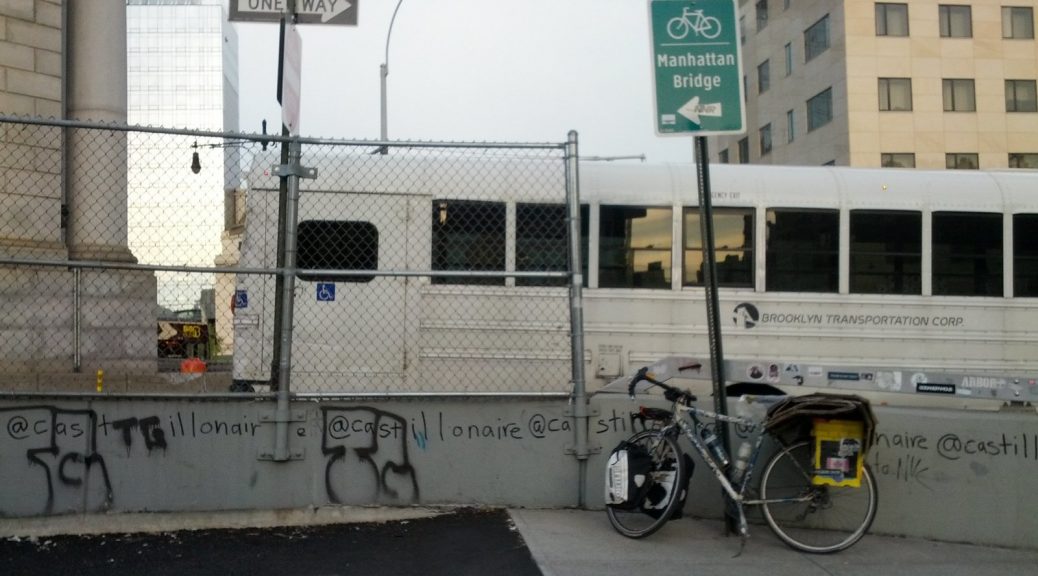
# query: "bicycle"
[706,26]
[811,517]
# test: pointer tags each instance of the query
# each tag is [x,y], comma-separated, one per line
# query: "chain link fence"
[413,268]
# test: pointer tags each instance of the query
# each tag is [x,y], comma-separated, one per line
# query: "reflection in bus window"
[468,236]
[886,252]
[336,245]
[967,254]
[733,247]
[803,250]
[634,247]
[1025,255]
[542,242]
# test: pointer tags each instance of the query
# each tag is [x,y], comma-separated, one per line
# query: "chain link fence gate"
[422,267]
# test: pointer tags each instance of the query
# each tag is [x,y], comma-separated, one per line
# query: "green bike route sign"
[697,65]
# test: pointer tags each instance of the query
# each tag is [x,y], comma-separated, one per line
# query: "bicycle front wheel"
[668,482]
[810,518]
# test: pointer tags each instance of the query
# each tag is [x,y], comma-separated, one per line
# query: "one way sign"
[342,12]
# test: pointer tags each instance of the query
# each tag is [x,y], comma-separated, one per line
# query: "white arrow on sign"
[326,9]
[693,110]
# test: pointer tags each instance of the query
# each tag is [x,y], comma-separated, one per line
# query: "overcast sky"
[472,70]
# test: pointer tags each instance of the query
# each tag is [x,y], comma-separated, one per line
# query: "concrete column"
[97,159]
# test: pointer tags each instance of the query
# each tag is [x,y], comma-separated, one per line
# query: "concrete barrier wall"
[956,476]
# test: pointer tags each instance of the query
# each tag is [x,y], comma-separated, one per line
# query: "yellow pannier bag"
[839,452]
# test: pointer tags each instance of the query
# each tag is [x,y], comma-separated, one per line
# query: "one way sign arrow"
[307,11]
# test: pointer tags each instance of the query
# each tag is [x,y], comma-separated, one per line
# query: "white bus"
[899,280]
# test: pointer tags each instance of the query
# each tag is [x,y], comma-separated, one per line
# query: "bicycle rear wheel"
[668,477]
[810,518]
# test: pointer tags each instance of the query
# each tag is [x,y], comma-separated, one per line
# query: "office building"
[920,83]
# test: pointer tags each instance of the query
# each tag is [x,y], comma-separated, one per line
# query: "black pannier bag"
[628,476]
[658,495]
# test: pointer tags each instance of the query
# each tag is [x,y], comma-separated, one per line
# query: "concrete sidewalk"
[578,543]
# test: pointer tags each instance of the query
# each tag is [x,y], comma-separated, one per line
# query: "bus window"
[542,242]
[1025,255]
[336,245]
[468,236]
[733,247]
[967,254]
[634,247]
[886,252]
[803,250]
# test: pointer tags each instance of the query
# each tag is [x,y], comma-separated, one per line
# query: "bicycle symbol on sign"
[706,26]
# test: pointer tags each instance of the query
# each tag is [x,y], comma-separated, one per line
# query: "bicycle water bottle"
[713,442]
[742,461]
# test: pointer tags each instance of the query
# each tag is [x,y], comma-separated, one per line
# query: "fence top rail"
[37,121]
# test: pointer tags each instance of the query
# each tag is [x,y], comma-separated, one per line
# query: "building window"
[895,94]
[816,39]
[744,151]
[764,77]
[336,245]
[886,252]
[789,58]
[468,236]
[961,161]
[956,21]
[897,160]
[959,95]
[802,250]
[791,126]
[967,254]
[1021,96]
[820,110]
[1025,255]
[1017,22]
[722,156]
[785,4]
[765,139]
[742,29]
[762,14]
[634,247]
[733,247]
[1021,160]
[891,19]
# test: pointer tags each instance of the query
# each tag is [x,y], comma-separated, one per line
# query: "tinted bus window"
[634,247]
[542,242]
[1025,255]
[468,236]
[733,247]
[336,245]
[803,251]
[886,252]
[967,254]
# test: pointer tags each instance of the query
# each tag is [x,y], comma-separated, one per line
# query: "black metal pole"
[279,281]
[713,318]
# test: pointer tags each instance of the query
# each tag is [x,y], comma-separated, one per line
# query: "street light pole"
[384,70]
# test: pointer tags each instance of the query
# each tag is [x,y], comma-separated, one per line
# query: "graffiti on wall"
[366,449]
[61,449]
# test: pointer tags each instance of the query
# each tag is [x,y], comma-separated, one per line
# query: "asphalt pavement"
[458,542]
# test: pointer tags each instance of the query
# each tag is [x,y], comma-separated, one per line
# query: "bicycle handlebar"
[669,392]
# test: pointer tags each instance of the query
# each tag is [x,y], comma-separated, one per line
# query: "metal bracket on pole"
[297,454]
[285,170]
[582,415]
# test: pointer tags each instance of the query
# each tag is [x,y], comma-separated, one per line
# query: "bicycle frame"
[686,419]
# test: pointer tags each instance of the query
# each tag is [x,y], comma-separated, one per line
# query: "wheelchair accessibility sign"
[326,292]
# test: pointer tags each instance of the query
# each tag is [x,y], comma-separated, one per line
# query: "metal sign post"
[697,65]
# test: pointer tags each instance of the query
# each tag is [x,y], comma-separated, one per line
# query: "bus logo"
[746,315]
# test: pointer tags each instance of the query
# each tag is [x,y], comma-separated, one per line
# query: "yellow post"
[100,379]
